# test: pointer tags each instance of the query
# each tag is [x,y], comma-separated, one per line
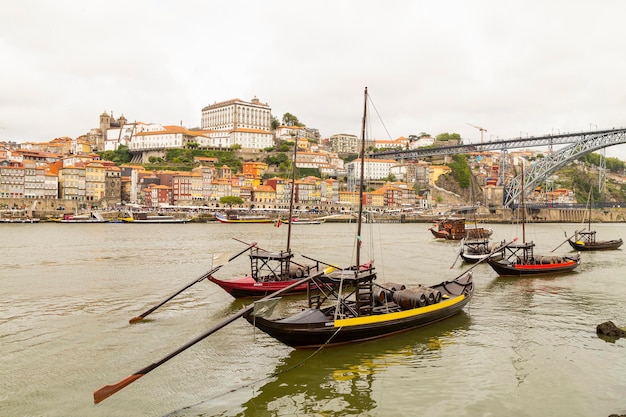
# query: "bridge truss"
[579,144]
[542,168]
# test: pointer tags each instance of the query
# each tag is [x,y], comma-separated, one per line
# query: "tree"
[444,137]
[231,200]
[291,120]
[120,156]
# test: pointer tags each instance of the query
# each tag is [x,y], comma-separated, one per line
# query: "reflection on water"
[341,380]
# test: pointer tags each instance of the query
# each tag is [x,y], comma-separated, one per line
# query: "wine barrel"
[408,299]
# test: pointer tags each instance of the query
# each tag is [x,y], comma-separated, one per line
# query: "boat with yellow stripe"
[368,311]
[348,305]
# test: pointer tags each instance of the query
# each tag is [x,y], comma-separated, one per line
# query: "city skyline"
[515,69]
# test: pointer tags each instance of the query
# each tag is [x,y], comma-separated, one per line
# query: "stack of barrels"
[409,298]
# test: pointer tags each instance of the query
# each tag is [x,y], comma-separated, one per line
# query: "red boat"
[269,272]
[519,260]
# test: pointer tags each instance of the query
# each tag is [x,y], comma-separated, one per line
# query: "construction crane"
[482,129]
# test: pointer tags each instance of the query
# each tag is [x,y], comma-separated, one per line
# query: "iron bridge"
[578,144]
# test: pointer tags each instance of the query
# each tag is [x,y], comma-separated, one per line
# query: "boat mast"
[523,208]
[362,174]
[292,196]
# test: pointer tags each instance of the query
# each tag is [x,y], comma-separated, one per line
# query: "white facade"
[344,143]
[237,122]
[374,169]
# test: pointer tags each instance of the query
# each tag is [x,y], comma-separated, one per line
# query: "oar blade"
[108,390]
[135,319]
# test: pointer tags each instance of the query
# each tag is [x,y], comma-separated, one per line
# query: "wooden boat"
[450,228]
[518,259]
[144,217]
[475,250]
[367,310]
[585,240]
[271,271]
[453,228]
[234,216]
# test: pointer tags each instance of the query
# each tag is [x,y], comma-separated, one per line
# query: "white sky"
[515,68]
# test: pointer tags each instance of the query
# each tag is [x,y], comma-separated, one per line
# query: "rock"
[608,328]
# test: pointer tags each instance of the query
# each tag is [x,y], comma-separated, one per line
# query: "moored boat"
[518,259]
[269,272]
[235,216]
[303,220]
[93,217]
[475,250]
[144,217]
[453,228]
[367,310]
[586,241]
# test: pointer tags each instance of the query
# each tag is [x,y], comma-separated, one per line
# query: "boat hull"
[507,268]
[311,328]
[223,219]
[600,245]
[247,287]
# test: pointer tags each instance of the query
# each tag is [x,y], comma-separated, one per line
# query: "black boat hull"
[311,328]
[502,267]
[600,245]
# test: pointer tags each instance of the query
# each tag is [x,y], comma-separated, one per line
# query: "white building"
[236,122]
[373,169]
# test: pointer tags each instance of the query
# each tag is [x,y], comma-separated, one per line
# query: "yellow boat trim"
[378,318]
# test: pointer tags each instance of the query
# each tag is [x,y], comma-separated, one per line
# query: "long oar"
[204,276]
[457,256]
[108,390]
[566,239]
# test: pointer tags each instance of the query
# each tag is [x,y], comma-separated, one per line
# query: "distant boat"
[453,228]
[144,217]
[302,220]
[93,217]
[19,220]
[586,240]
[518,259]
[235,216]
[475,250]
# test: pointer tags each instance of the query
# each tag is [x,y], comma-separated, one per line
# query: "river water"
[523,347]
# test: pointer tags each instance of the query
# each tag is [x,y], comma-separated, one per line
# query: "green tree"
[120,156]
[291,120]
[444,137]
[461,170]
[231,200]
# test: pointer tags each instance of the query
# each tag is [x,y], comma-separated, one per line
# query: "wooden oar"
[457,256]
[204,276]
[108,390]
[566,239]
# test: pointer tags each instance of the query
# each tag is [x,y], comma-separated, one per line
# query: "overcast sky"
[515,68]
